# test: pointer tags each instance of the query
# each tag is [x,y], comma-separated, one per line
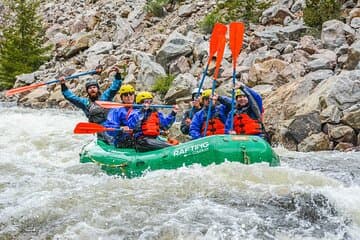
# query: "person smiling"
[118,118]
[147,122]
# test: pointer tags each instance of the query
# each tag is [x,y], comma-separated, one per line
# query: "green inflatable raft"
[205,151]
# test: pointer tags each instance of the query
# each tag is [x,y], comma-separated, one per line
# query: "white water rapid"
[45,193]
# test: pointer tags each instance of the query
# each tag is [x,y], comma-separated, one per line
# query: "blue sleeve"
[79,102]
[165,123]
[134,119]
[256,96]
[110,93]
[117,118]
[226,101]
[195,126]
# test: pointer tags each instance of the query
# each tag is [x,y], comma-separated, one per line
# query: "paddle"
[36,85]
[89,128]
[106,104]
[218,30]
[219,56]
[237,30]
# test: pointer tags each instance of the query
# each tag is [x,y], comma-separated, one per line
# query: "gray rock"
[175,46]
[292,32]
[331,114]
[298,5]
[26,78]
[149,71]
[304,126]
[275,15]
[100,48]
[186,10]
[319,75]
[336,33]
[123,30]
[342,90]
[315,142]
[181,87]
[308,44]
[325,59]
[355,23]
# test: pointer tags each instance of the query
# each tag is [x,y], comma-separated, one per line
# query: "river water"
[45,193]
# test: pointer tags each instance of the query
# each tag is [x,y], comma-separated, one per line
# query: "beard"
[94,97]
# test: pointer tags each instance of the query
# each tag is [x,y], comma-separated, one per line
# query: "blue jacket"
[117,118]
[84,103]
[136,117]
[200,117]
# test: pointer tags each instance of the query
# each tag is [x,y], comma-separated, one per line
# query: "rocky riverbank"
[310,86]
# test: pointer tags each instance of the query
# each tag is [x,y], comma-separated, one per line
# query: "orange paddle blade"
[106,104]
[87,127]
[23,89]
[218,31]
[219,55]
[237,30]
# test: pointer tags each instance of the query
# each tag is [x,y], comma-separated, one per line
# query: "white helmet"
[196,90]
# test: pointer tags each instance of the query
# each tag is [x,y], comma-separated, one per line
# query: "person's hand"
[239,85]
[232,132]
[62,80]
[126,129]
[116,70]
[99,69]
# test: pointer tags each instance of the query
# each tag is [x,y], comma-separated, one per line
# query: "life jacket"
[151,126]
[215,126]
[97,114]
[244,124]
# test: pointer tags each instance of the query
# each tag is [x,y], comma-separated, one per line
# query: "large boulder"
[315,142]
[182,86]
[149,71]
[336,33]
[175,46]
[342,90]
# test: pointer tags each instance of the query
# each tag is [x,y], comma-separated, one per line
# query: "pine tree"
[21,49]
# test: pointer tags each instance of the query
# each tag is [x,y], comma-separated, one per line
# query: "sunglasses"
[127,94]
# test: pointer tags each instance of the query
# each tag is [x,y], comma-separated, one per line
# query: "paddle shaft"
[36,85]
[106,104]
[72,77]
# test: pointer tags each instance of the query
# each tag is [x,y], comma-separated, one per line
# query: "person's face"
[128,98]
[205,101]
[242,100]
[93,91]
[195,103]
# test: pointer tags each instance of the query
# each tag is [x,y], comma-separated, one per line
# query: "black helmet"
[91,82]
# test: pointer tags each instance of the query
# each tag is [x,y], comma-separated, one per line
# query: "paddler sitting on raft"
[118,118]
[147,122]
[247,115]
